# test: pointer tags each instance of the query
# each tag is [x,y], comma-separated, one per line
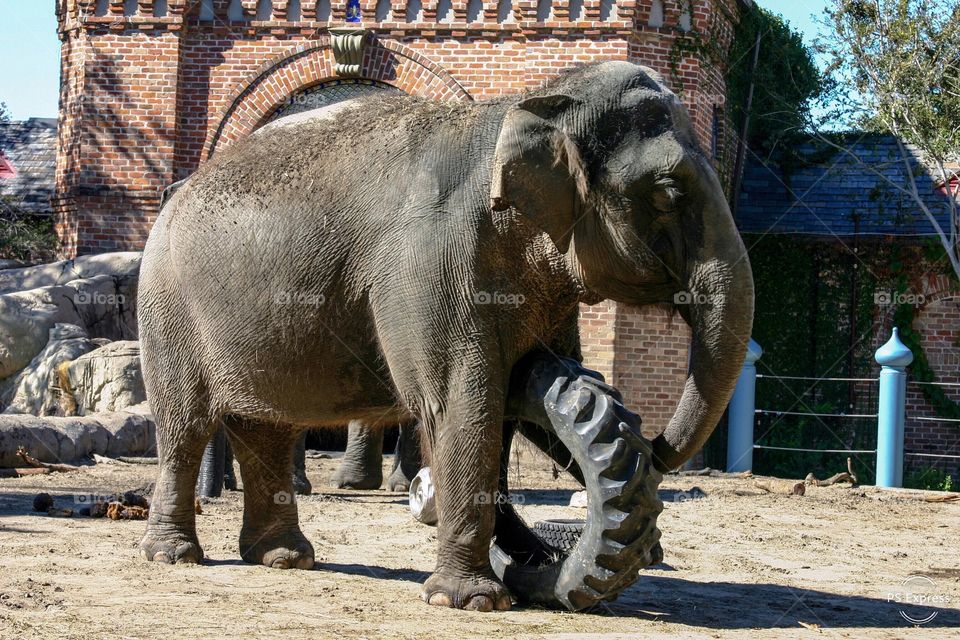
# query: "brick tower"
[151,88]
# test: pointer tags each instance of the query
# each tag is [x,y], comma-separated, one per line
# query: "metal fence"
[887,412]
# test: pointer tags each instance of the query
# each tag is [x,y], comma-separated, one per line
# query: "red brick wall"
[143,97]
[939,323]
[144,100]
[650,365]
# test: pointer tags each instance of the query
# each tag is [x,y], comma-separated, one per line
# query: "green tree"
[785,82]
[895,68]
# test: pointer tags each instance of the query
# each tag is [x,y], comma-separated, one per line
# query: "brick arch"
[939,287]
[304,66]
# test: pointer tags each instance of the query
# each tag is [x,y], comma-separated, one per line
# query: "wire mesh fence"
[807,424]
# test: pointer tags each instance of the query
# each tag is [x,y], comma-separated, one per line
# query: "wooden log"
[20,472]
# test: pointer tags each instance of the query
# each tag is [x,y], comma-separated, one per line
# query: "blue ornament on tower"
[353,11]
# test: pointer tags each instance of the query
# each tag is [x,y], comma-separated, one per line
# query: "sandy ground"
[739,563]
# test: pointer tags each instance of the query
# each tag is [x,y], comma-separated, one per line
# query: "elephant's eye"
[665,195]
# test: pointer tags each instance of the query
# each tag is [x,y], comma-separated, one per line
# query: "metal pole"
[893,357]
[741,413]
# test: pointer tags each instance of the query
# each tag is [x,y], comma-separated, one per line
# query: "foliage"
[928,478]
[894,66]
[24,236]
[816,315]
[805,305]
[785,81]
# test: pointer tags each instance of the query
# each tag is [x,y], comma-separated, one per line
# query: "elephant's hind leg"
[362,464]
[407,462]
[271,532]
[183,430]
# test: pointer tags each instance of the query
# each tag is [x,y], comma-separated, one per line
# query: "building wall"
[938,322]
[142,95]
[146,98]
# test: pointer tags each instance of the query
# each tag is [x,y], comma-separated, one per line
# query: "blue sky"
[30,50]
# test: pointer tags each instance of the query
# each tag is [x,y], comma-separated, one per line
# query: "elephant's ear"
[537,168]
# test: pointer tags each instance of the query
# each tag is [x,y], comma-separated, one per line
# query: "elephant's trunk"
[719,309]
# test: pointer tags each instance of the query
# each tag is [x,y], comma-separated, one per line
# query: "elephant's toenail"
[280,563]
[504,603]
[440,599]
[480,603]
[161,556]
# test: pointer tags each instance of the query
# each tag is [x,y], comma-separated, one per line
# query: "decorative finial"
[894,353]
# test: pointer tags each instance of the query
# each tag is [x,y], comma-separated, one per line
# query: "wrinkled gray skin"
[341,269]
[362,463]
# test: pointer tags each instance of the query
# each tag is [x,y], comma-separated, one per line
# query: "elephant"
[393,261]
[360,468]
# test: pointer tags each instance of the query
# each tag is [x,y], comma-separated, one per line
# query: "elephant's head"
[605,161]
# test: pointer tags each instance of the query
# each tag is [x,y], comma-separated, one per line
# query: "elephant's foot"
[398,480]
[474,593]
[351,476]
[278,550]
[171,548]
[301,483]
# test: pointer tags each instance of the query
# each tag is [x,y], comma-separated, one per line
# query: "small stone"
[42,502]
[579,499]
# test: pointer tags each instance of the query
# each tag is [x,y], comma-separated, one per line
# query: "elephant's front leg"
[465,460]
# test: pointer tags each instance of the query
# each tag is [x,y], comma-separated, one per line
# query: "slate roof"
[836,196]
[31,146]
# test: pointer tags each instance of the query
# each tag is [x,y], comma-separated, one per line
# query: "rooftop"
[31,147]
[830,193]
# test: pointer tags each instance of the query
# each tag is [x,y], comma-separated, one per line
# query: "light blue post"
[893,357]
[741,412]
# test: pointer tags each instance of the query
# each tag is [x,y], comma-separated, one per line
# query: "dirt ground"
[738,563]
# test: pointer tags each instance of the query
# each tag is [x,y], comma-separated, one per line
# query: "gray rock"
[130,432]
[106,379]
[35,389]
[45,275]
[104,306]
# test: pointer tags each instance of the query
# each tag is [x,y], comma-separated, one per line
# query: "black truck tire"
[615,461]
[560,534]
